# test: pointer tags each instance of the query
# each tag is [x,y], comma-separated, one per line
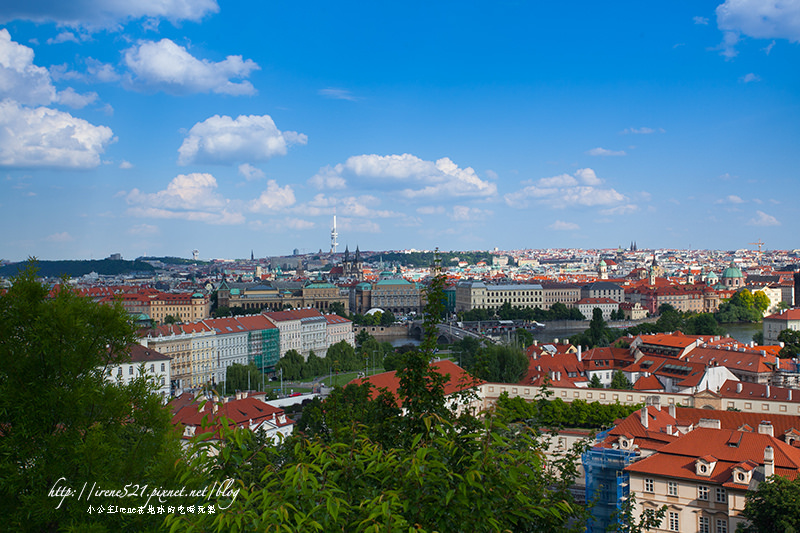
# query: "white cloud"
[20,79]
[125,165]
[700,20]
[43,137]
[97,14]
[59,237]
[99,71]
[463,213]
[561,191]
[604,152]
[250,172]
[189,197]
[727,47]
[411,176]
[166,66]
[560,225]
[70,98]
[430,210]
[763,219]
[747,78]
[626,209]
[588,176]
[762,19]
[730,199]
[221,139]
[337,94]
[296,223]
[364,206]
[273,198]
[769,48]
[641,131]
[63,37]
[328,178]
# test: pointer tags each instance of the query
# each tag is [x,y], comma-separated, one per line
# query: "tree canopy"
[64,419]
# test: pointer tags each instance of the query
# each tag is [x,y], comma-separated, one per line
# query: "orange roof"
[648,383]
[458,379]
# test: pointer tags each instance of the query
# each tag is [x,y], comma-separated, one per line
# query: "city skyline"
[165,127]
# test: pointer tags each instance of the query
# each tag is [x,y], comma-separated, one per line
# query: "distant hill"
[76,269]
[173,260]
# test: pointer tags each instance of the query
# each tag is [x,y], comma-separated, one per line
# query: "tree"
[595,383]
[337,308]
[387,318]
[620,382]
[758,338]
[760,301]
[291,364]
[241,377]
[64,420]
[775,506]
[791,343]
[362,337]
[169,319]
[500,364]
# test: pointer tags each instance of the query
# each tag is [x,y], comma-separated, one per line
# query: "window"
[722,525]
[130,370]
[721,495]
[649,485]
[672,488]
[702,492]
[674,523]
[162,367]
[704,526]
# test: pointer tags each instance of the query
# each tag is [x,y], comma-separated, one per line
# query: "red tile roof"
[458,379]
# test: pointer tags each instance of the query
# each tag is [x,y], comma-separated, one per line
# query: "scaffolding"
[607,484]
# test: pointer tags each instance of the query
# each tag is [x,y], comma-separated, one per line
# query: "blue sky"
[165,126]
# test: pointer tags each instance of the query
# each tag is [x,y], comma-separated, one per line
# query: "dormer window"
[704,466]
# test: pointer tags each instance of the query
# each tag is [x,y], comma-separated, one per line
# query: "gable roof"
[458,379]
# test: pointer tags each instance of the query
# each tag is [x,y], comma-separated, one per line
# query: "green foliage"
[558,311]
[62,418]
[241,377]
[362,336]
[595,383]
[291,365]
[740,308]
[76,269]
[758,338]
[557,413]
[337,308]
[791,343]
[620,382]
[775,506]
[760,301]
[626,521]
[387,318]
[500,364]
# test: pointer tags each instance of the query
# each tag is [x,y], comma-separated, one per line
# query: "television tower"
[334,236]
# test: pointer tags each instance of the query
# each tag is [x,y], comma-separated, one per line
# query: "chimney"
[739,387]
[669,429]
[769,462]
[765,428]
[767,391]
[580,349]
[712,423]
[672,410]
[645,417]
[555,341]
[790,395]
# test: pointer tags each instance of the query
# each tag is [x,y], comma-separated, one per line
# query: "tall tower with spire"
[334,236]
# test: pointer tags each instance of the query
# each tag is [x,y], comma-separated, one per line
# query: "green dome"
[732,272]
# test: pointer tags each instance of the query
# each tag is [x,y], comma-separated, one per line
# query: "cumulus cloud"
[43,137]
[221,139]
[99,71]
[462,213]
[603,152]
[411,176]
[762,19]
[63,37]
[189,197]
[99,14]
[730,199]
[70,98]
[273,198]
[763,219]
[20,79]
[560,225]
[250,172]
[125,165]
[703,21]
[337,94]
[363,206]
[747,78]
[564,190]
[166,66]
